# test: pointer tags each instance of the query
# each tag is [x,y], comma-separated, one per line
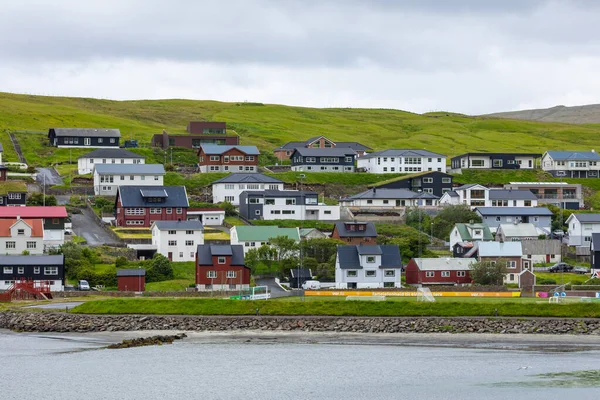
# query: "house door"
[87,141]
[547,258]
[397,203]
[170,256]
[530,163]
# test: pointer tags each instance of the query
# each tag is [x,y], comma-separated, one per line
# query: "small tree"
[230,210]
[489,272]
[160,269]
[37,199]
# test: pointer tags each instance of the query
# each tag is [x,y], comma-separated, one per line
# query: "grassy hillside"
[588,114]
[268,126]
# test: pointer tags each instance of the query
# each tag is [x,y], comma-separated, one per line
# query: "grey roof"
[134,196]
[403,153]
[468,186]
[179,225]
[369,231]
[130,169]
[131,272]
[220,149]
[595,245]
[92,132]
[587,217]
[32,260]
[537,247]
[111,153]
[537,155]
[348,256]
[352,145]
[279,193]
[574,155]
[383,193]
[452,193]
[509,194]
[499,249]
[248,178]
[513,211]
[325,152]
[205,252]
[301,272]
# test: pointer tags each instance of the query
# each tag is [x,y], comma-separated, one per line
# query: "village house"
[13,193]
[572,164]
[388,199]
[595,255]
[368,267]
[476,195]
[517,232]
[199,133]
[494,161]
[54,219]
[336,159]
[435,183]
[439,271]
[468,233]
[493,217]
[230,187]
[319,142]
[221,267]
[560,194]
[177,240]
[40,269]
[207,216]
[518,270]
[86,163]
[253,237]
[356,233]
[21,235]
[217,158]
[581,227]
[78,137]
[131,280]
[542,251]
[396,161]
[286,204]
[312,233]
[108,177]
[139,206]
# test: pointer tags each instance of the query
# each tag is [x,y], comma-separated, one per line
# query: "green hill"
[268,126]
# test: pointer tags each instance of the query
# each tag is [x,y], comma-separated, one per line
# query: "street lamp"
[301,264]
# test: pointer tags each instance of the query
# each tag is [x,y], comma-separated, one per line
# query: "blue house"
[337,159]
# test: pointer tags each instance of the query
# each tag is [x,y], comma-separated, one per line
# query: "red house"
[3,172]
[221,267]
[214,158]
[439,271]
[131,280]
[200,132]
[139,206]
[356,233]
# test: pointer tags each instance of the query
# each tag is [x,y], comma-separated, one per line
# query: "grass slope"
[268,126]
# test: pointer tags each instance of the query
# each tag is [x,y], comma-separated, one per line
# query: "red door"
[547,258]
[170,255]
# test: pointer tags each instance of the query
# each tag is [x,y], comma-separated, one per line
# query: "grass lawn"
[563,278]
[336,308]
[234,221]
[184,274]
[133,233]
[214,234]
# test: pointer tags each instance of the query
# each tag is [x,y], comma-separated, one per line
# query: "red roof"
[33,212]
[37,228]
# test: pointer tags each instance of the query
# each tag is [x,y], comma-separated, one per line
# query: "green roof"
[265,233]
[12,186]
[466,236]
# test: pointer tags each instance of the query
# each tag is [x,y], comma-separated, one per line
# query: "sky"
[468,56]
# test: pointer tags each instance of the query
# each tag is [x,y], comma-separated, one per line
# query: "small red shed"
[131,280]
[439,271]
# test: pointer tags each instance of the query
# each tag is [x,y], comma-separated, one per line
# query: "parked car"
[581,270]
[560,267]
[311,285]
[83,285]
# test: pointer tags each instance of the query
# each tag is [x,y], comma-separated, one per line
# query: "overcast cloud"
[470,56]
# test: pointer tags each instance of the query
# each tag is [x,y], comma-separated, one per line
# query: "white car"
[311,285]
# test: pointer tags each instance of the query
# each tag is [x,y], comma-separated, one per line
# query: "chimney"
[374,190]
[471,221]
[18,217]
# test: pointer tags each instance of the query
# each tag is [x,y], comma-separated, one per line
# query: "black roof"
[537,155]
[325,151]
[95,132]
[111,153]
[133,196]
[370,230]
[349,256]
[352,145]
[248,178]
[280,193]
[131,272]
[32,260]
[205,252]
[301,273]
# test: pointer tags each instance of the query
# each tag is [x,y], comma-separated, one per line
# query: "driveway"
[274,288]
[85,225]
[49,177]
[61,200]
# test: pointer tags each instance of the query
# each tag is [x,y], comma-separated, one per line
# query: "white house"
[207,216]
[542,251]
[86,163]
[581,227]
[229,188]
[494,161]
[572,164]
[368,267]
[19,235]
[108,177]
[517,232]
[477,195]
[389,199]
[286,204]
[468,233]
[253,237]
[177,240]
[396,161]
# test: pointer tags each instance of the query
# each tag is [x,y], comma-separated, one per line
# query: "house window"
[231,274]
[143,177]
[91,160]
[172,232]
[446,180]
[445,274]
[461,274]
[221,260]
[348,159]
[430,274]
[427,180]
[131,177]
[135,211]
[14,196]
[20,232]
[351,274]
[181,254]
[370,259]
[369,201]
[497,163]
[290,202]
[179,210]
[511,264]
[497,219]
[477,163]
[122,177]
[253,200]
[31,245]
[169,211]
[192,255]
[214,158]
[527,203]
[211,274]
[389,273]
[11,245]
[50,270]
[172,243]
[229,199]
[370,274]
[270,202]
[189,232]
[229,186]
[100,140]
[155,211]
[189,242]
[36,270]
[7,270]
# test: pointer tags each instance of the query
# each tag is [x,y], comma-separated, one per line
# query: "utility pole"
[301,264]
[420,230]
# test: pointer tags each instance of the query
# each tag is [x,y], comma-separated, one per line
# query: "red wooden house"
[438,271]
[214,158]
[131,280]
[221,267]
[139,206]
[356,233]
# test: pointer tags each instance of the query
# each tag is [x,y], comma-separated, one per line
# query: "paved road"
[61,200]
[274,288]
[85,225]
[49,176]
[57,306]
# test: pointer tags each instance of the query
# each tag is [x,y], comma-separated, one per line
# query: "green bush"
[546,281]
[121,262]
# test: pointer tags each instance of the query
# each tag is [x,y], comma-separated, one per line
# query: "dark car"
[560,267]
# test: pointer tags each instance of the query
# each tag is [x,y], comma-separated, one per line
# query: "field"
[454,308]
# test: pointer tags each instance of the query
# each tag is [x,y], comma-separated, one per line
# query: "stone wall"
[62,322]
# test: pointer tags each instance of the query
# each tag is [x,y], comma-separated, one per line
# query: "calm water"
[43,367]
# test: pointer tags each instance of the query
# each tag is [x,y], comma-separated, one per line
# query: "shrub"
[121,262]
[546,281]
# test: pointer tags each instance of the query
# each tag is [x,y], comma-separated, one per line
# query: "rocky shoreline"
[62,322]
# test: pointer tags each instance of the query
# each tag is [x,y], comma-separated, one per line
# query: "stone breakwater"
[60,322]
